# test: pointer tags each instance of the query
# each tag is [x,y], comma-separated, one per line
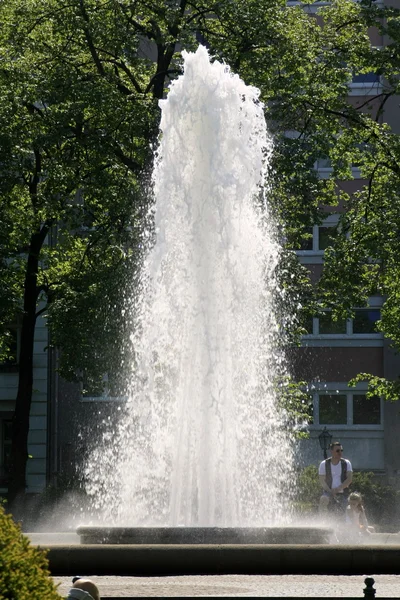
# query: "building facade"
[333,353]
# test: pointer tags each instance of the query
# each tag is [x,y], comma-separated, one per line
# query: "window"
[370,77]
[328,326]
[307,324]
[366,411]
[323,162]
[307,242]
[365,84]
[311,8]
[363,324]
[332,409]
[319,237]
[346,408]
[107,389]
[326,237]
[365,320]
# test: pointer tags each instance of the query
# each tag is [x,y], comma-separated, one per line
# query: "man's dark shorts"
[341,499]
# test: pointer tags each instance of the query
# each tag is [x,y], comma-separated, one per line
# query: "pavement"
[239,586]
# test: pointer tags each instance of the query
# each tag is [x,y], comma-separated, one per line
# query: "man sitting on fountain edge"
[335,475]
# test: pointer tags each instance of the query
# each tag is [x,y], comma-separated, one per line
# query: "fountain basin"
[204,535]
[213,559]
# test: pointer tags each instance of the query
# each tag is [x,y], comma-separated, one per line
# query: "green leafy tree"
[362,261]
[73,158]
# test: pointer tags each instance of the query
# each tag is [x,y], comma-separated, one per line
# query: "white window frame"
[341,388]
[310,8]
[315,255]
[106,397]
[315,6]
[349,338]
[365,88]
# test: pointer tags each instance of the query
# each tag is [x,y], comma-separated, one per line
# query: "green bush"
[308,490]
[380,500]
[24,573]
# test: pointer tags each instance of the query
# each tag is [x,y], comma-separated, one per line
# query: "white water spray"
[202,440]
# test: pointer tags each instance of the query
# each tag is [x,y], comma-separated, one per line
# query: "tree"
[363,259]
[70,201]
[80,84]
[308,95]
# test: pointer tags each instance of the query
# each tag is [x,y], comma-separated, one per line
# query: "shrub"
[380,500]
[24,573]
[308,490]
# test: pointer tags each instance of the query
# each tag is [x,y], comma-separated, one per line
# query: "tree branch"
[395,167]
[126,70]
[89,40]
[126,160]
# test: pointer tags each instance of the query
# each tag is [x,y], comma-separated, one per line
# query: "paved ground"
[306,586]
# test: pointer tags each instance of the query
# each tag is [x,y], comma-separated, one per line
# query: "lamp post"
[325,439]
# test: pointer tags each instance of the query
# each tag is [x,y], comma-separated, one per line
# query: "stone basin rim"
[128,528]
[203,535]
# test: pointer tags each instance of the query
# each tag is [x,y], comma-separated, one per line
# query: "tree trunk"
[20,428]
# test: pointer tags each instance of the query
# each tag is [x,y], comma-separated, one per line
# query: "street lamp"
[325,439]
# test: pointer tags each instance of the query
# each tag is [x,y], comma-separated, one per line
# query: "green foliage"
[24,573]
[73,161]
[79,89]
[297,405]
[308,490]
[363,260]
[295,299]
[379,386]
[79,103]
[380,500]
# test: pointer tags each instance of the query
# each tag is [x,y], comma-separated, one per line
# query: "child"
[83,589]
[355,514]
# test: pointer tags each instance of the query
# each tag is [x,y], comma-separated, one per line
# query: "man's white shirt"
[336,472]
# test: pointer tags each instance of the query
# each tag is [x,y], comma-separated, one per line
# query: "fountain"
[197,477]
[202,447]
[202,439]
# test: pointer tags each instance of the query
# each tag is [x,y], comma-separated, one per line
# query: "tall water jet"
[202,440]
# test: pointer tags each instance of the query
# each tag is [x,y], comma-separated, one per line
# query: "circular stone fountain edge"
[204,535]
[159,559]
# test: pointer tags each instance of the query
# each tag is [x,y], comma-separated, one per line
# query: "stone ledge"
[204,535]
[191,559]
